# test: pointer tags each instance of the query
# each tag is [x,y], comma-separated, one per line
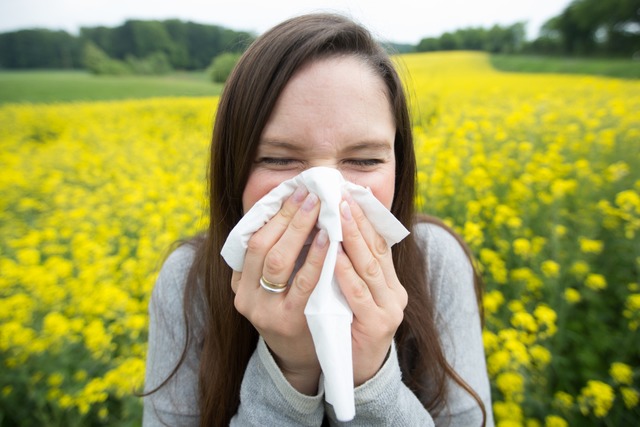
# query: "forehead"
[333,98]
[354,76]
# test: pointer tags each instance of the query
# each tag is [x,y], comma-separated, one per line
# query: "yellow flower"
[522,247]
[472,234]
[563,400]
[498,361]
[630,397]
[617,171]
[540,354]
[597,282]
[103,413]
[525,321]
[508,411]
[572,296]
[555,421]
[55,380]
[632,310]
[597,397]
[550,269]
[546,316]
[579,269]
[562,187]
[492,301]
[6,390]
[28,256]
[589,246]
[490,340]
[621,373]
[56,326]
[560,230]
[528,277]
[629,201]
[495,264]
[96,339]
[511,384]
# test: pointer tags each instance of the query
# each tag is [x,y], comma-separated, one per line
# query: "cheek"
[384,193]
[258,185]
[382,184]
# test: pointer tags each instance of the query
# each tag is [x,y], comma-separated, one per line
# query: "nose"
[328,163]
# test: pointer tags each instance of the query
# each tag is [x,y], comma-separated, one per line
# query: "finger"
[308,276]
[280,260]
[264,239]
[365,264]
[354,289]
[375,242]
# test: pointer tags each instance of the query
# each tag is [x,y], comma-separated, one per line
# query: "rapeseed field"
[539,173]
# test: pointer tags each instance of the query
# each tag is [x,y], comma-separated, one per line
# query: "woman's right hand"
[279,317]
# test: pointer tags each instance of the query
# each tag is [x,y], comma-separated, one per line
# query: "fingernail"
[347,196]
[309,202]
[298,195]
[346,210]
[322,238]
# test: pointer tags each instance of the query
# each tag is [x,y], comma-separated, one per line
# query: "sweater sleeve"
[267,398]
[385,399]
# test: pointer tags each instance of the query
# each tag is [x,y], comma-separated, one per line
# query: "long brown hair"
[244,108]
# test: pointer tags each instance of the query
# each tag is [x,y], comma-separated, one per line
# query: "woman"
[316,90]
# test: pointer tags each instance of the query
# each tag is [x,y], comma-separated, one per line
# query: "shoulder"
[449,270]
[441,247]
[171,282]
[179,260]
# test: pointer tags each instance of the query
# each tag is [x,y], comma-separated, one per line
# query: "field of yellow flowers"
[539,173]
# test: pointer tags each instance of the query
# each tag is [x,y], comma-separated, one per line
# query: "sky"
[400,21]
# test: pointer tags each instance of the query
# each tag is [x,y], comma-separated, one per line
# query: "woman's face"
[333,112]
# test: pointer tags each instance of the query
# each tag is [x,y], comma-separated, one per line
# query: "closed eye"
[277,161]
[364,162]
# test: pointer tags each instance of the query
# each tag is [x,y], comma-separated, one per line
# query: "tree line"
[583,28]
[497,39]
[593,27]
[136,43]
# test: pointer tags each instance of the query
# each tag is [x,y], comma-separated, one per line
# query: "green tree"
[179,56]
[98,62]
[222,65]
[450,41]
[588,27]
[185,45]
[428,44]
[155,64]
[39,48]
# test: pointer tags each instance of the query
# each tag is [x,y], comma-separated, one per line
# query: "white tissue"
[328,314]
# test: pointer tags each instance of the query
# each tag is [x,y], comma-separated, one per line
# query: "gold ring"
[276,288]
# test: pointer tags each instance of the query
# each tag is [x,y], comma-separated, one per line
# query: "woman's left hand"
[368,280]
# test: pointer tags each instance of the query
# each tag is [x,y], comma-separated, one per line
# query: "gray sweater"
[266,398]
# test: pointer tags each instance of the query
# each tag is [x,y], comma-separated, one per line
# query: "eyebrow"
[279,143]
[368,145]
[352,148]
